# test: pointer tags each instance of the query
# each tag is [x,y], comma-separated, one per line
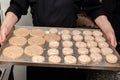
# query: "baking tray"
[25,60]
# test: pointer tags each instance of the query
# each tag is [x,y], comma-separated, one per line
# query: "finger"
[0,38]
[3,36]
[113,42]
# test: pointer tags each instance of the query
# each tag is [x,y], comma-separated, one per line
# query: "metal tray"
[25,60]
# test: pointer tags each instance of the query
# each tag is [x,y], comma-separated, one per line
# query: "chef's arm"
[9,21]
[106,27]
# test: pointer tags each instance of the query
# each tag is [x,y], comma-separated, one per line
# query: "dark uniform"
[46,13]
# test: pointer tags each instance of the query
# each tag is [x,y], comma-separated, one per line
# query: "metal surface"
[2,71]
[6,71]
[25,60]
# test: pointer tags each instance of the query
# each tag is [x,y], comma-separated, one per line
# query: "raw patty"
[36,41]
[17,41]
[38,59]
[52,37]
[70,59]
[13,52]
[21,32]
[37,32]
[33,50]
[54,59]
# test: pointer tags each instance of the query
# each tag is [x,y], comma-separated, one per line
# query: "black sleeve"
[106,7]
[18,7]
[95,12]
[109,6]
[117,7]
[78,4]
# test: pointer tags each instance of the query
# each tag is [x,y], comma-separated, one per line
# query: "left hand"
[111,37]
[106,27]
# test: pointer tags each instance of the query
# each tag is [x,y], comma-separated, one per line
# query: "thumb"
[114,43]
[3,36]
[0,38]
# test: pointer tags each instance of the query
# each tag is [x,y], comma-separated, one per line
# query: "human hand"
[111,37]
[9,21]
[85,21]
[106,27]
[3,33]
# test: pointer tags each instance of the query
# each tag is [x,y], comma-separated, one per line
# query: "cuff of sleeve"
[14,11]
[97,13]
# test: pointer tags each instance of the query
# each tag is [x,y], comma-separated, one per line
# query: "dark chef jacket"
[95,8]
[46,12]
[92,8]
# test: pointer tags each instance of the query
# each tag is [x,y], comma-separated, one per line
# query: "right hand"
[3,33]
[9,21]
[111,37]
